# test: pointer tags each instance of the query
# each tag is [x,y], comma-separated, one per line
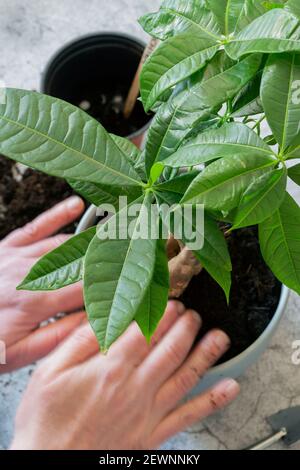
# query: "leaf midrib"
[286,114]
[259,201]
[231,179]
[180,103]
[174,12]
[84,156]
[149,100]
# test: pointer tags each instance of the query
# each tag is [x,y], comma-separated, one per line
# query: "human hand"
[127,399]
[22,312]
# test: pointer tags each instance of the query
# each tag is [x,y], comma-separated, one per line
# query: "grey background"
[30,32]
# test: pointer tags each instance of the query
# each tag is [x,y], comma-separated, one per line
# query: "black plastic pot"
[95,73]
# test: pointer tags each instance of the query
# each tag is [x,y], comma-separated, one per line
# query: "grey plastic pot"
[239,364]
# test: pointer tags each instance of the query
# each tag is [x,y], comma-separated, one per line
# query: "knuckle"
[30,230]
[174,353]
[211,351]
[186,380]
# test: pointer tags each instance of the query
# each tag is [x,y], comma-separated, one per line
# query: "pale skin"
[78,398]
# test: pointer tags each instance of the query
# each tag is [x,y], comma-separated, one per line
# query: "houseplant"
[213,72]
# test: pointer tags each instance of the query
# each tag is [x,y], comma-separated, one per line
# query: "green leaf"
[294,173]
[227,141]
[156,172]
[280,243]
[117,272]
[277,87]
[177,185]
[263,197]
[155,299]
[273,32]
[293,6]
[248,102]
[56,137]
[98,194]
[173,61]
[222,183]
[228,13]
[61,267]
[177,118]
[129,150]
[177,16]
[214,255]
[251,10]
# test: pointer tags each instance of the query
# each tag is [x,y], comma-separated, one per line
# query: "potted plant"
[216,69]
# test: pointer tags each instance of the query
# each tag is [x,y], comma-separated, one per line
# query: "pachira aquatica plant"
[222,68]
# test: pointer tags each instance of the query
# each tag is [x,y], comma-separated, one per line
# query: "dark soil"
[254,295]
[107,106]
[21,201]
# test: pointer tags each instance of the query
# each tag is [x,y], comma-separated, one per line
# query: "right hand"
[127,399]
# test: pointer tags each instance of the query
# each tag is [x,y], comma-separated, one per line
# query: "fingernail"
[74,202]
[221,339]
[196,316]
[231,387]
[179,307]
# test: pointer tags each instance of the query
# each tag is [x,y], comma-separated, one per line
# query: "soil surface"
[25,193]
[107,107]
[254,295]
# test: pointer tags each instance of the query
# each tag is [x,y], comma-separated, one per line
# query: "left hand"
[21,312]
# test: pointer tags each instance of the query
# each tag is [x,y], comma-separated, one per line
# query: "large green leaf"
[251,10]
[177,185]
[117,272]
[222,183]
[230,139]
[263,197]
[214,255]
[280,243]
[277,87]
[177,16]
[155,299]
[176,119]
[98,194]
[231,13]
[248,102]
[62,266]
[294,173]
[293,6]
[173,61]
[56,137]
[273,32]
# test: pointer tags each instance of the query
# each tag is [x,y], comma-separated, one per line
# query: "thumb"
[41,342]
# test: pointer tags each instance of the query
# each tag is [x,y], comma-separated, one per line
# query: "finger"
[204,356]
[172,350]
[133,346]
[77,348]
[45,246]
[67,299]
[47,223]
[195,410]
[41,342]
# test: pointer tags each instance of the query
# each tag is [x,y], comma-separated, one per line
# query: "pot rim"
[88,219]
[67,47]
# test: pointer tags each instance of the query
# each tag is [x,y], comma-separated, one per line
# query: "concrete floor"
[30,32]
